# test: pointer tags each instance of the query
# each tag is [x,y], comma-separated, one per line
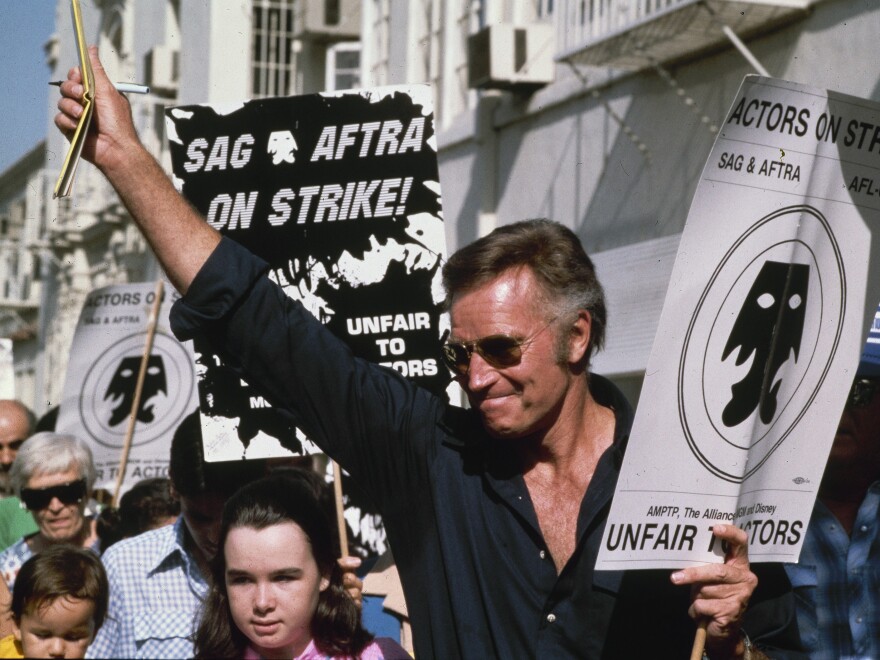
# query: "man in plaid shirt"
[837,581]
[158,579]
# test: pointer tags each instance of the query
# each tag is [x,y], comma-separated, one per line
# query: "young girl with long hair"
[277,589]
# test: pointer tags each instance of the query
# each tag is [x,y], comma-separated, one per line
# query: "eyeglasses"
[500,351]
[37,499]
[862,392]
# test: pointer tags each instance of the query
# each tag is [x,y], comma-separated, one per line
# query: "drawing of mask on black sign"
[123,383]
[768,328]
[282,147]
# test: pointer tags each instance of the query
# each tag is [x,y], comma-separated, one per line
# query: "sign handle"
[340,510]
[138,390]
[699,640]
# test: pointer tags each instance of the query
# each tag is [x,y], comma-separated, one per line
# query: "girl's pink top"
[373,651]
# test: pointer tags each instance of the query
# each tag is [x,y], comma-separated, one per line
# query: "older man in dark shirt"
[495,513]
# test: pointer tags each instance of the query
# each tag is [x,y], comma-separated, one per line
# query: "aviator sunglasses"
[37,499]
[500,351]
[862,392]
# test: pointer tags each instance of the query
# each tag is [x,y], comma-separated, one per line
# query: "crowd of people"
[152,578]
[495,513]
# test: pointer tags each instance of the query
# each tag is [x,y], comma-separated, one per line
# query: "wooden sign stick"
[340,510]
[138,390]
[699,640]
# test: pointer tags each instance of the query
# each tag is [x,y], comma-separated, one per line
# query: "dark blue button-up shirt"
[477,575]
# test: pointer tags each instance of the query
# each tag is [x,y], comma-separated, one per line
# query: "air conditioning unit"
[504,56]
[162,70]
[327,20]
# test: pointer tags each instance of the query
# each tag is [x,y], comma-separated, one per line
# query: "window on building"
[272,40]
[343,66]
[332,12]
[114,54]
[17,213]
[451,75]
[378,33]
[544,9]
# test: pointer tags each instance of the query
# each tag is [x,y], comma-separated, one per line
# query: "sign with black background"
[340,195]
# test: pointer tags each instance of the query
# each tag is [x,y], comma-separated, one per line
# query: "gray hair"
[50,453]
[554,255]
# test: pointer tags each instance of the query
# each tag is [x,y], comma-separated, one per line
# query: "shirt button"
[864,528]
[858,619]
[551,618]
[542,554]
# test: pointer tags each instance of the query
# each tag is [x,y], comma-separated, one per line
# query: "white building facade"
[597,113]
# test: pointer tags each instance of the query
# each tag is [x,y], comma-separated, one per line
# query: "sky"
[26,26]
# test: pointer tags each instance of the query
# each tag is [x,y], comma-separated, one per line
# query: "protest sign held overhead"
[99,390]
[340,195]
[773,291]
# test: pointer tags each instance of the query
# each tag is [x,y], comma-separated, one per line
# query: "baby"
[58,604]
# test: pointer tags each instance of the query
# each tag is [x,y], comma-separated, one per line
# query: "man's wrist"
[121,161]
[741,650]
[749,650]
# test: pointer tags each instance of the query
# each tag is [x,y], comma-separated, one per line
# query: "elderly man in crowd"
[17,423]
[837,580]
[495,514]
[52,475]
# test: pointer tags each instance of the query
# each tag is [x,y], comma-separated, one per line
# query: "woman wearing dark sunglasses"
[52,475]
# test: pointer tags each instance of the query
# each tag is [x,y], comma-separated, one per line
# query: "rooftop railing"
[585,21]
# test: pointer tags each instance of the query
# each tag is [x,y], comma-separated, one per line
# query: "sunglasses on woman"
[37,499]
[499,351]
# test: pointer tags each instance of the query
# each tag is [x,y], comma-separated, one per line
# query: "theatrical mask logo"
[767,332]
[107,391]
[760,341]
[123,384]
[282,147]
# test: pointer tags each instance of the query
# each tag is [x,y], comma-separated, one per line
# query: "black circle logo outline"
[171,423]
[799,208]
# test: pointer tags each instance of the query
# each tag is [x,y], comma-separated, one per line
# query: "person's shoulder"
[16,551]
[10,502]
[10,647]
[142,548]
[384,648]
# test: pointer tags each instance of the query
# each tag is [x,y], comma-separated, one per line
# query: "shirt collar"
[171,546]
[608,394]
[463,427]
